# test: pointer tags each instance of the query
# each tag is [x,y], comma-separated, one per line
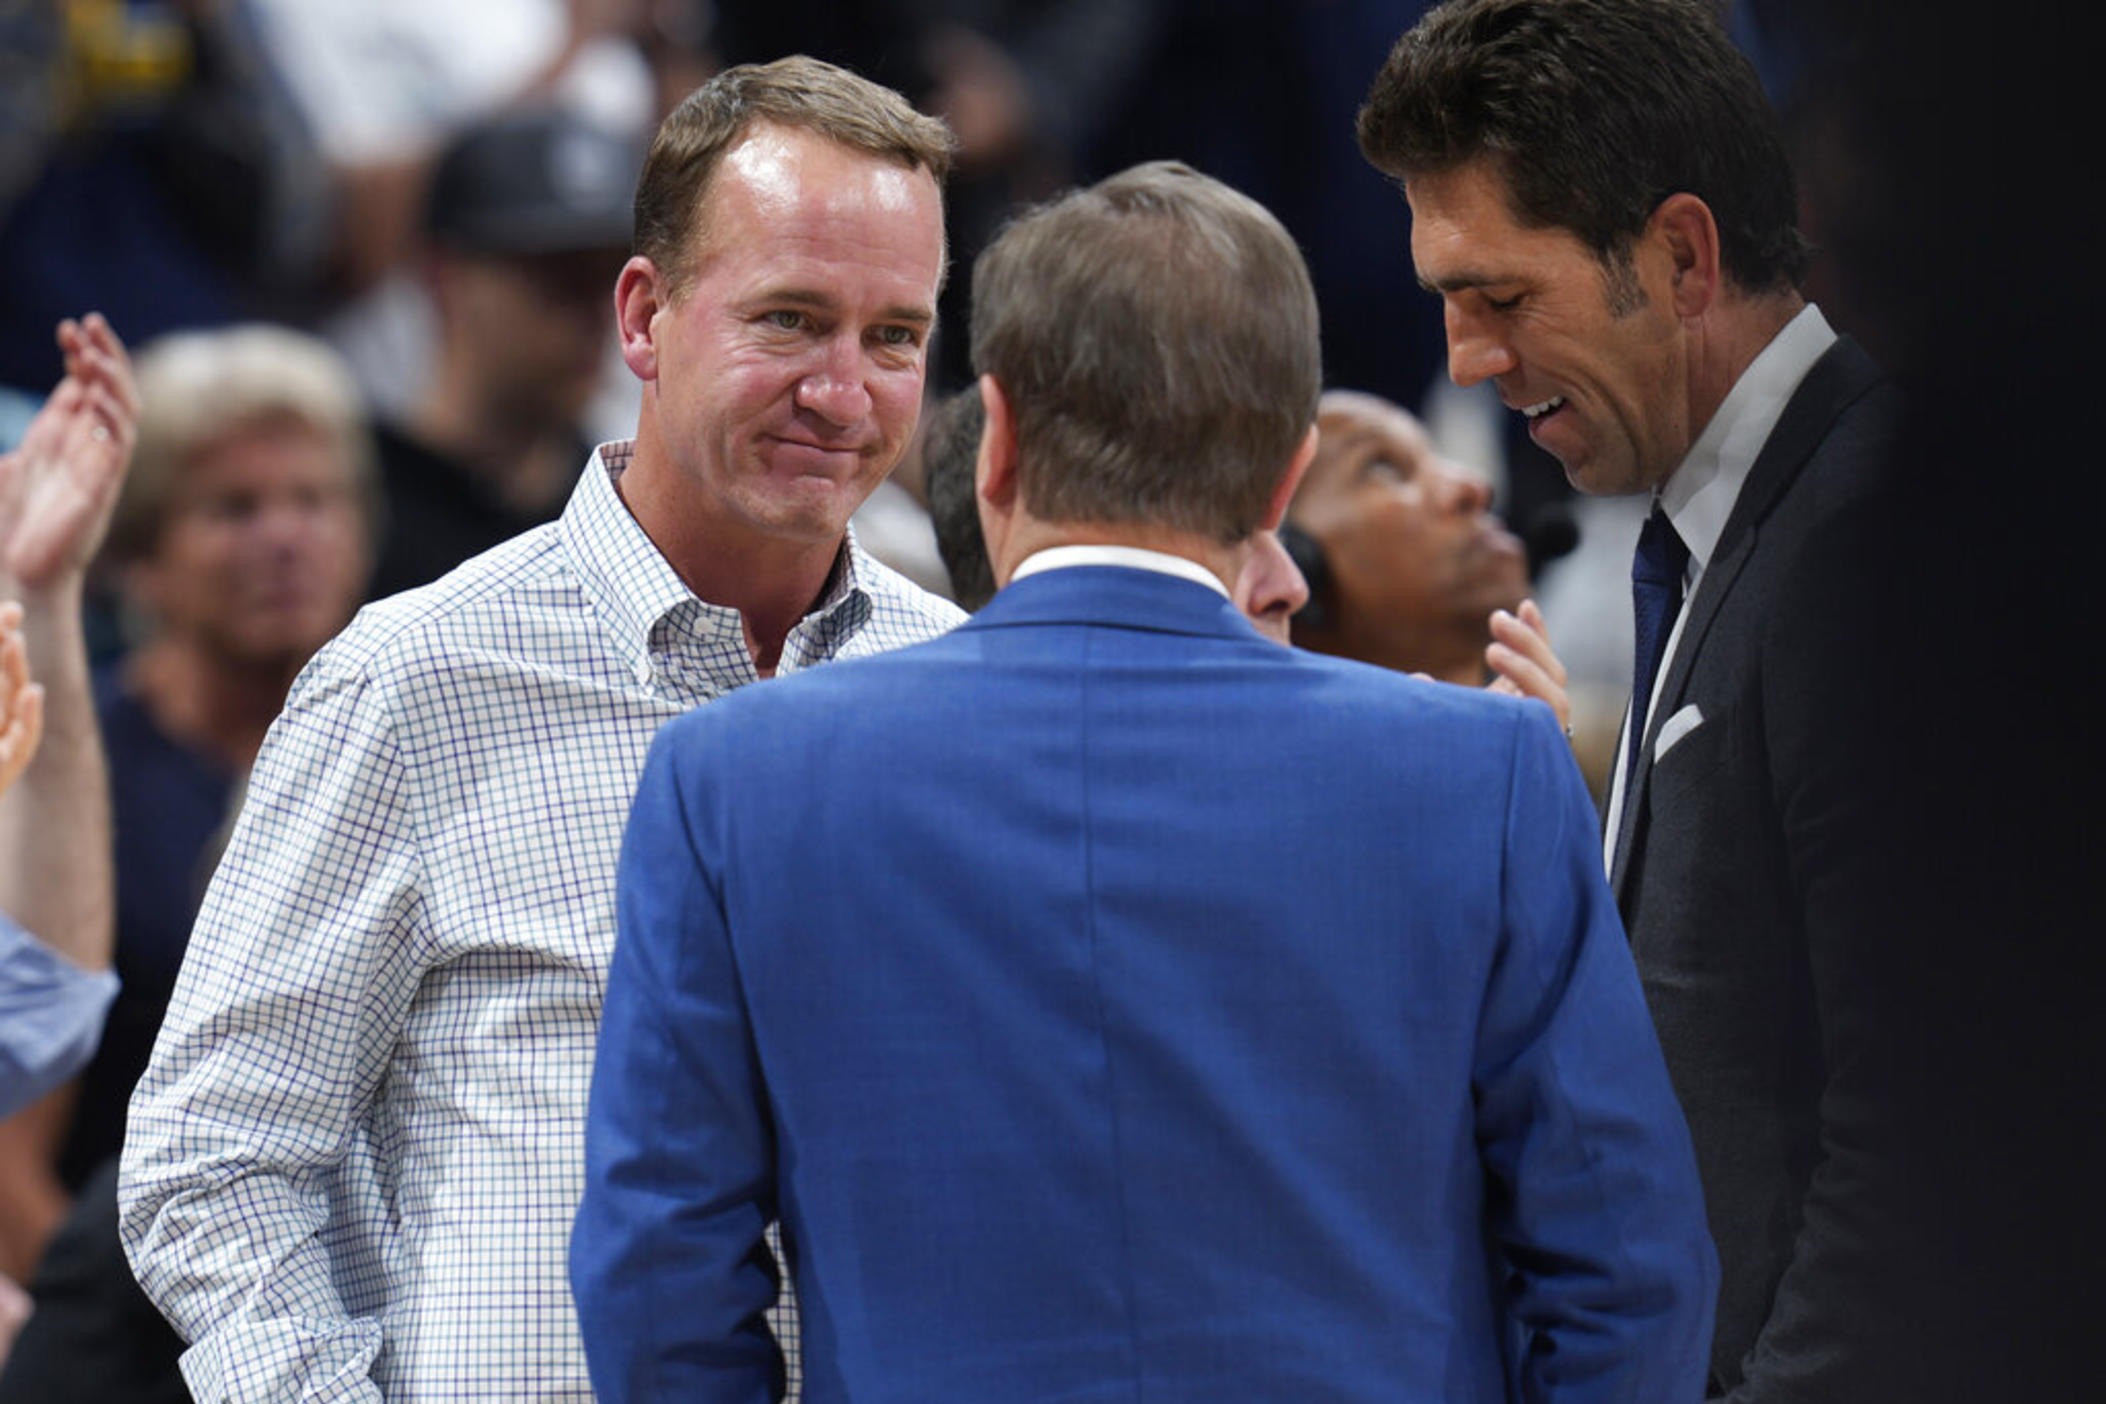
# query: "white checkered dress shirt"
[352,1166]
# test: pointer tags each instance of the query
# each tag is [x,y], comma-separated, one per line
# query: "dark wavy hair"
[1594,111]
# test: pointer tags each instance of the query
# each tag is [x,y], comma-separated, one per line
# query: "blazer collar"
[1119,596]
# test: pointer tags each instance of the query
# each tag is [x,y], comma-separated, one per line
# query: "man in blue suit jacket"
[1110,1003]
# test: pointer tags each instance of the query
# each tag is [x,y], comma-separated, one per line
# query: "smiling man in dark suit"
[1176,1015]
[1601,198]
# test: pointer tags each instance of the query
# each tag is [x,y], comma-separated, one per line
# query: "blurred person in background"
[1408,567]
[198,162]
[950,445]
[241,544]
[51,1010]
[150,162]
[384,86]
[57,488]
[527,224]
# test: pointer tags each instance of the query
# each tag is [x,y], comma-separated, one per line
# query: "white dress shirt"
[1132,557]
[352,1166]
[1699,495]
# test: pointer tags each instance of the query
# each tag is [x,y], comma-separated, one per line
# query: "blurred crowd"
[439,193]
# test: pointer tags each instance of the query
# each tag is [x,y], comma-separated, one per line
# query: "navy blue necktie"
[1656,597]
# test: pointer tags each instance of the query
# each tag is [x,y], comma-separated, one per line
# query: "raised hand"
[1521,655]
[57,488]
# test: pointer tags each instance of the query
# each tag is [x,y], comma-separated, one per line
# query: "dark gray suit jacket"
[1743,876]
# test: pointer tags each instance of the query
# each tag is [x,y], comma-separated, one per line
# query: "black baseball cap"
[534,180]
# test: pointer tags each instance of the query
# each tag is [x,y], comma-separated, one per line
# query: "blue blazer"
[1113,1004]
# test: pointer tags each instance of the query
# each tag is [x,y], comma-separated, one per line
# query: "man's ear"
[994,470]
[1682,228]
[639,296]
[1276,509]
[996,492]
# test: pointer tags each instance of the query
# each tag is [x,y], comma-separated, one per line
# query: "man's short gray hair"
[1156,337]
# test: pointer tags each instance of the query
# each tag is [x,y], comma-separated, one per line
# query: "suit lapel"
[1842,376]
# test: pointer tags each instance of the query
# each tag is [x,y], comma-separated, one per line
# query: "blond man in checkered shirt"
[352,1166]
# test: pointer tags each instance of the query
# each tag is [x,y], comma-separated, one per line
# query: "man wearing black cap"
[527,224]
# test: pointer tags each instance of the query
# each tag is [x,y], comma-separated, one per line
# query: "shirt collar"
[844,607]
[639,596]
[1698,497]
[1132,557]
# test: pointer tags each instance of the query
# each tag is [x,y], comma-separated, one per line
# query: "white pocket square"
[1675,728]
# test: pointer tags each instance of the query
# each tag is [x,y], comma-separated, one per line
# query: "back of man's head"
[795,92]
[1593,112]
[1156,338]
